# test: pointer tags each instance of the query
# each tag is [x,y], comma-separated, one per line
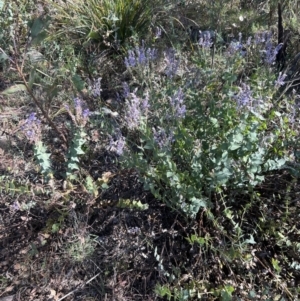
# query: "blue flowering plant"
[213,133]
[139,62]
[32,130]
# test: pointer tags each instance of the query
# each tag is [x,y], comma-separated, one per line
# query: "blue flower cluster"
[177,104]
[163,138]
[171,62]
[32,128]
[140,56]
[82,113]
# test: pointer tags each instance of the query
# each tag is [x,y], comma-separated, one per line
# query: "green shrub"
[214,134]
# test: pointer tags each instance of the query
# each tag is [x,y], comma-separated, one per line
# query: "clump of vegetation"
[166,169]
[109,23]
[210,133]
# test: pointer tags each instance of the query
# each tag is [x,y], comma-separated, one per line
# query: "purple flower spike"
[77,102]
[32,128]
[126,89]
[163,138]
[244,97]
[249,41]
[86,113]
[280,80]
[172,63]
[117,145]
[96,88]
[205,39]
[130,60]
[158,33]
[134,114]
[81,115]
[32,117]
[140,56]
[136,109]
[177,104]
